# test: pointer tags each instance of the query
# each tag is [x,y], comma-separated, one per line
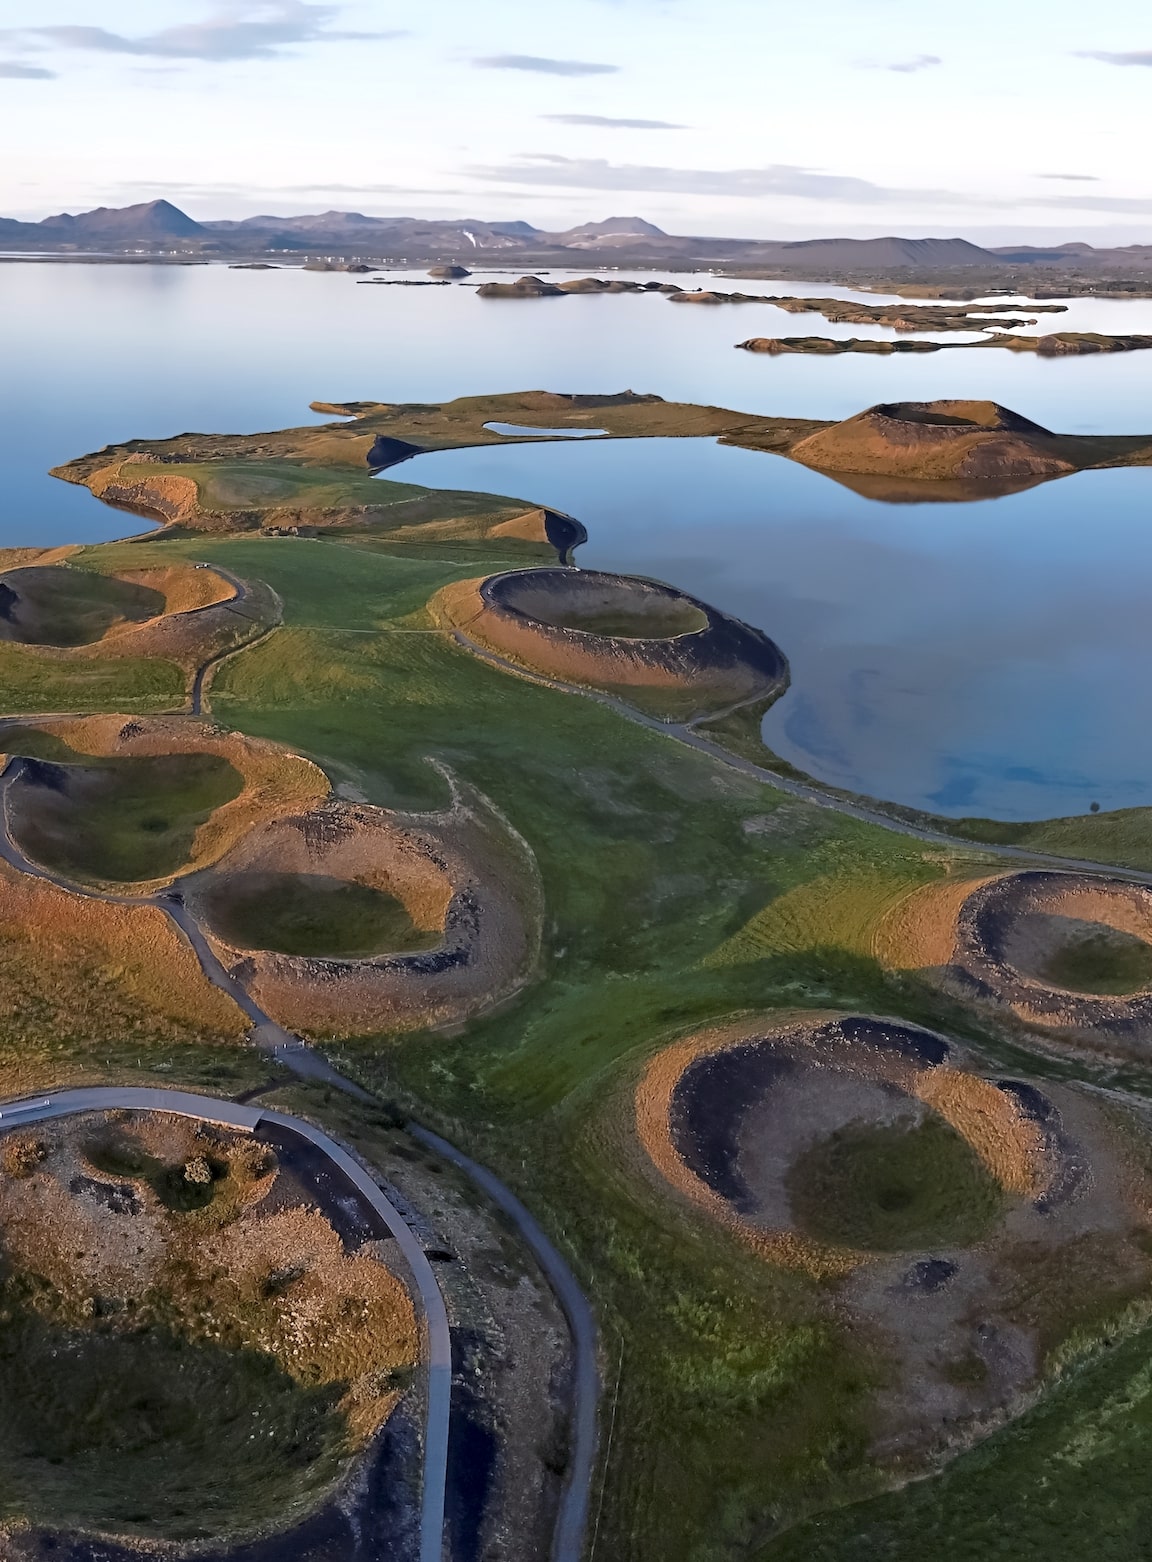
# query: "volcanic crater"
[619,632]
[1065,951]
[870,1154]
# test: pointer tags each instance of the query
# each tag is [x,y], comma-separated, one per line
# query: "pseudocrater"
[831,1142]
[119,820]
[316,914]
[134,801]
[353,917]
[632,636]
[1062,950]
[67,607]
[201,1336]
[176,610]
[942,1209]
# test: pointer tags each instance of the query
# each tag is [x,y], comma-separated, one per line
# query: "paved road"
[438,1345]
[572,1521]
[295,1054]
[685,732]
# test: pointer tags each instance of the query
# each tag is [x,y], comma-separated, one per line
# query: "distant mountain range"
[161,229]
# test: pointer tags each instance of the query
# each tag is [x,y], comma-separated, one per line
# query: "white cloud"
[1124,57]
[782,179]
[13,70]
[608,122]
[260,31]
[918,62]
[543,66]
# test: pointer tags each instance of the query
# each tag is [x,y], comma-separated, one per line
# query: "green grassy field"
[634,626]
[679,893]
[123,819]
[1066,1481]
[33,681]
[896,1187]
[1105,962]
[299,914]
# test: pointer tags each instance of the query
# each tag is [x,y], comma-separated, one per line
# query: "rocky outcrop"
[386,452]
[1069,344]
[1059,344]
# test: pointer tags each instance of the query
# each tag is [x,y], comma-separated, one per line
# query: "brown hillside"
[934,440]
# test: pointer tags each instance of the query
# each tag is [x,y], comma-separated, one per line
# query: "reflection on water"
[969,658]
[966,657]
[98,354]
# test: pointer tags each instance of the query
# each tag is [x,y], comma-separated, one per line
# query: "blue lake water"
[984,658]
[969,658]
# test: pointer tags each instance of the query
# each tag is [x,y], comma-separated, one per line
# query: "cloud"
[253,31]
[1133,205]
[918,62]
[12,70]
[543,66]
[607,122]
[1125,57]
[1072,178]
[782,179]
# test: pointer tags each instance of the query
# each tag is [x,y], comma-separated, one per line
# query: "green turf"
[678,892]
[308,914]
[1108,962]
[893,1187]
[32,681]
[633,626]
[147,1432]
[68,607]
[123,819]
[1065,1482]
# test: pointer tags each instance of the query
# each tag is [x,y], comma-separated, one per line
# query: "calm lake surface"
[988,658]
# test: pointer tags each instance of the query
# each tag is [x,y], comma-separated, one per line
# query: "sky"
[755,118]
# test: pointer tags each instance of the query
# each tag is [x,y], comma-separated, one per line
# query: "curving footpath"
[196,693]
[229,1114]
[302,1060]
[685,732]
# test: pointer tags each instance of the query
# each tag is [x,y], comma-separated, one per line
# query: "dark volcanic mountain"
[159,228]
[883,254]
[150,220]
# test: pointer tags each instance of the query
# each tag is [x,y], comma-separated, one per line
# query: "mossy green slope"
[679,892]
